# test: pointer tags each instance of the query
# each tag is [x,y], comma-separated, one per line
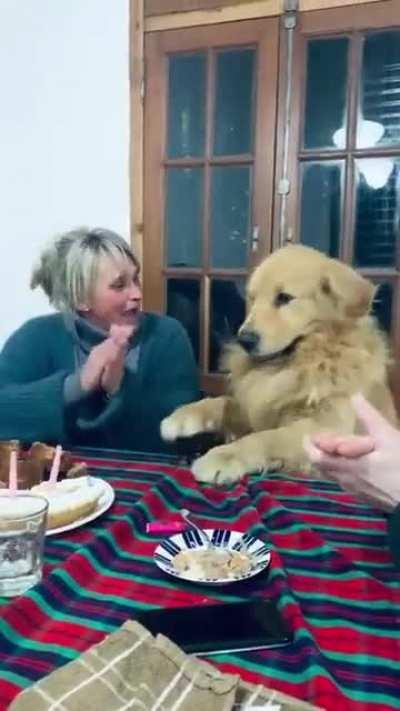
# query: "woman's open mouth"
[130,315]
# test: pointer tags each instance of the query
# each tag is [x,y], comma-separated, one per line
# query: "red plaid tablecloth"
[331,573]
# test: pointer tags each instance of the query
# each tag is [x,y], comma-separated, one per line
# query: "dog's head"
[294,291]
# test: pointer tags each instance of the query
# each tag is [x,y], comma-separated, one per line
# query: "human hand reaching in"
[367,466]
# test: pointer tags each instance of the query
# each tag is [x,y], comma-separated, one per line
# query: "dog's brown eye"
[283,298]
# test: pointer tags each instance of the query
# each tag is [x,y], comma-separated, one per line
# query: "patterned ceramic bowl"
[233,557]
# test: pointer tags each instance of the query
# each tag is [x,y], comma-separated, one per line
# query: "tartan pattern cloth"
[130,669]
[331,573]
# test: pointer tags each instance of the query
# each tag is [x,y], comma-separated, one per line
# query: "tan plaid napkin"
[131,669]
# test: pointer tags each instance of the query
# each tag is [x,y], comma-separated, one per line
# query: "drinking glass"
[23,520]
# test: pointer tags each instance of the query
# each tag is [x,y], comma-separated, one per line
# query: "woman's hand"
[368,466]
[104,367]
[351,446]
[114,371]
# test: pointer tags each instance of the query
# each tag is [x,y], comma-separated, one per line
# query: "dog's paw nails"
[210,426]
[169,429]
[218,468]
[188,425]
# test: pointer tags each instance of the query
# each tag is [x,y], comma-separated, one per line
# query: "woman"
[367,465]
[99,372]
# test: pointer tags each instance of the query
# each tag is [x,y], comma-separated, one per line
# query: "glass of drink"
[22,529]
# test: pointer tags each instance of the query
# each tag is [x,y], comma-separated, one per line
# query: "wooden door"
[345,147]
[210,117]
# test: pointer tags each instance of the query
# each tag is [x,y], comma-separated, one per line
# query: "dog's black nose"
[248,340]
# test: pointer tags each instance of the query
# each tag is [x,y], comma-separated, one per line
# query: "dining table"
[331,575]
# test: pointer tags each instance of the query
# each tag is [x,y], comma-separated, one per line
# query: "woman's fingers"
[356,446]
[327,462]
[101,357]
[327,442]
[120,334]
[351,446]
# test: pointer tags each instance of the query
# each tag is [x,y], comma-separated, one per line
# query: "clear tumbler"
[22,530]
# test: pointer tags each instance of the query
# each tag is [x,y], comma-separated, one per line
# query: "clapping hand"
[104,367]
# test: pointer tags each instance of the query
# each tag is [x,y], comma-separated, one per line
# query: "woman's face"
[117,294]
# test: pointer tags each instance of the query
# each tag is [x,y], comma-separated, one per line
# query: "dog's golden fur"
[312,346]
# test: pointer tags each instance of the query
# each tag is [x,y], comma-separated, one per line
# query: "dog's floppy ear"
[348,288]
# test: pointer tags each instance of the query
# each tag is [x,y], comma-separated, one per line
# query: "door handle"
[289,239]
[255,238]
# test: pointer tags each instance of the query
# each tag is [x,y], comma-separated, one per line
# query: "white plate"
[104,502]
[258,551]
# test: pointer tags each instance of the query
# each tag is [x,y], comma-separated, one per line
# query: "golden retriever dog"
[307,345]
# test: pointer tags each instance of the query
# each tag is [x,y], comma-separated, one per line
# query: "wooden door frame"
[136,133]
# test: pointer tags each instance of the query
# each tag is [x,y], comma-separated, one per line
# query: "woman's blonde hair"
[68,267]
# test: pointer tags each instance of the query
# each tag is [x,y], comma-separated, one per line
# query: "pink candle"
[13,476]
[55,467]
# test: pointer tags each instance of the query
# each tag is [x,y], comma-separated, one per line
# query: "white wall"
[64,128]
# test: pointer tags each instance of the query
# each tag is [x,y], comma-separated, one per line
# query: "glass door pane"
[377,212]
[230,217]
[228,307]
[321,205]
[183,303]
[326,110]
[382,305]
[234,102]
[379,120]
[184,216]
[186,105]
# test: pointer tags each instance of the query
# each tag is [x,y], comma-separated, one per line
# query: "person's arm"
[43,400]
[31,391]
[367,466]
[92,395]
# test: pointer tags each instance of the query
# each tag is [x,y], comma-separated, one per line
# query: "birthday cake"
[33,464]
[70,499]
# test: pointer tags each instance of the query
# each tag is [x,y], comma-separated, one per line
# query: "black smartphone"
[228,627]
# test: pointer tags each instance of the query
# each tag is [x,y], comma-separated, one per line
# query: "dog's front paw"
[220,465]
[187,421]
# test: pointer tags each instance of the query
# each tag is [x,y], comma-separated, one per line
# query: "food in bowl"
[212,563]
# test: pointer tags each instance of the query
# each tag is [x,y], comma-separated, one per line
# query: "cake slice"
[70,499]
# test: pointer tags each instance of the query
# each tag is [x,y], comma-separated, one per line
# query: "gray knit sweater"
[34,401]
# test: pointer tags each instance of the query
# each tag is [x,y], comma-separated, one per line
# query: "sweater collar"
[87,335]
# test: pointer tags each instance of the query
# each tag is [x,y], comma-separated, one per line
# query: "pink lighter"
[166,527]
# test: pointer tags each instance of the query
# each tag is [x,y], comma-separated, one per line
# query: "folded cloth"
[131,669]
